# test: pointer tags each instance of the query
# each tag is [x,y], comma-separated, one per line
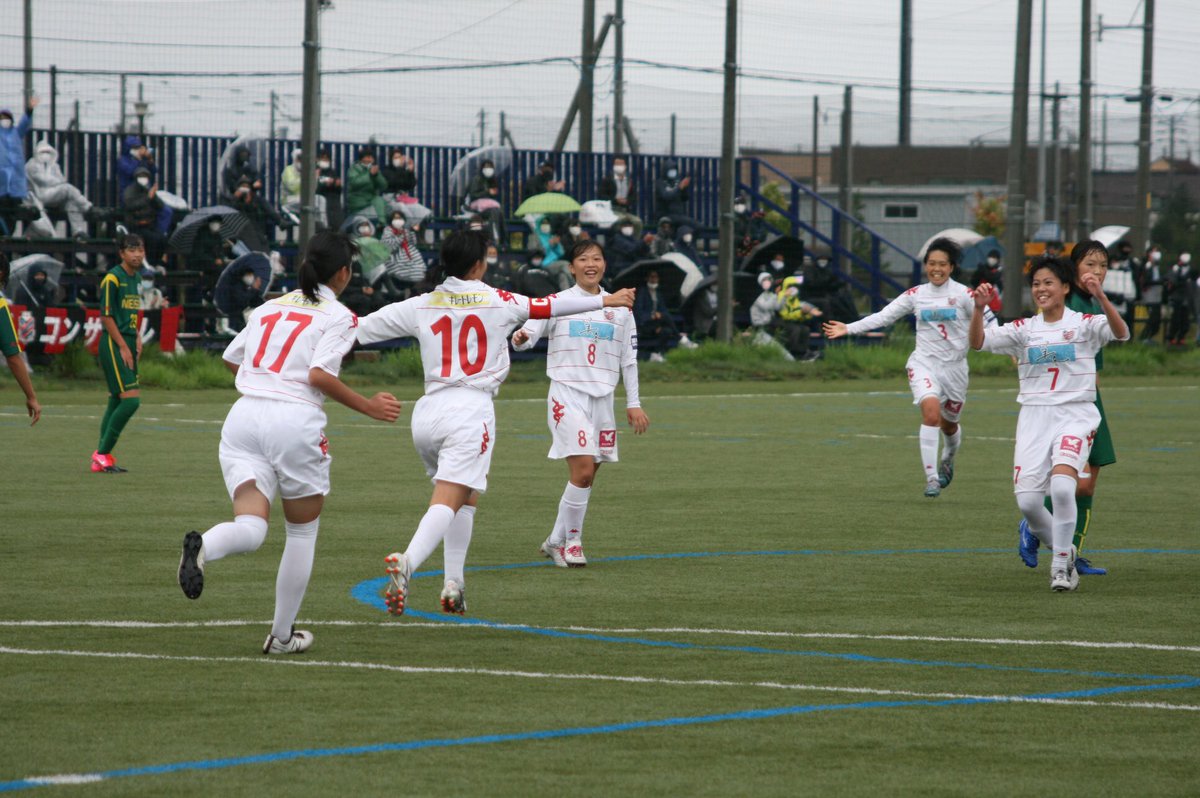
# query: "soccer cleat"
[945,473]
[555,553]
[933,489]
[106,463]
[191,565]
[1085,567]
[397,592]
[573,555]
[98,462]
[296,644]
[1027,544]
[1063,579]
[454,598]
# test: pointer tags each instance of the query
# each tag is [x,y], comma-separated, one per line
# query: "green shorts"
[119,377]
[1103,452]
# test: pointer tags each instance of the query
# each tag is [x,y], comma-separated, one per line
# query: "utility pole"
[728,155]
[588,65]
[482,119]
[1084,201]
[1014,232]
[53,97]
[28,53]
[274,105]
[606,132]
[905,73]
[816,117]
[1141,205]
[1041,152]
[619,79]
[310,135]
[1056,170]
[122,123]
[672,135]
[845,173]
[1104,138]
[140,108]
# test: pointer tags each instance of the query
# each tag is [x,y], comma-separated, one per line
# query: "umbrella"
[790,247]
[977,253]
[469,165]
[670,279]
[547,202]
[257,261]
[1110,234]
[959,235]
[234,225]
[692,276]
[21,268]
[599,213]
[745,290]
[173,201]
[535,282]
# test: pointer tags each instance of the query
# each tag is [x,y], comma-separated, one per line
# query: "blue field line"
[576,731]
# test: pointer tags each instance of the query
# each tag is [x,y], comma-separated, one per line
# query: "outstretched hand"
[983,294]
[834,329]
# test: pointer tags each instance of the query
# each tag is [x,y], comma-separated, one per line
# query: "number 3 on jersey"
[444,329]
[301,320]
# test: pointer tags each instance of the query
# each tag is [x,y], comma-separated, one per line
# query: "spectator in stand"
[1152,292]
[13,186]
[329,186]
[245,294]
[664,240]
[36,292]
[241,168]
[134,155]
[50,187]
[685,244]
[1180,284]
[990,271]
[796,317]
[485,186]
[625,248]
[617,187]
[671,195]
[364,184]
[400,174]
[151,295]
[406,266]
[552,249]
[749,227]
[289,191]
[142,209]
[656,329]
[495,275]
[778,269]
[764,312]
[822,287]
[1054,249]
[542,181]
[251,203]
[208,254]
[570,232]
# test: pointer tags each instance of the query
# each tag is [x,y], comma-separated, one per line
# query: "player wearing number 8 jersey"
[1056,360]
[462,327]
[937,368]
[587,353]
[286,362]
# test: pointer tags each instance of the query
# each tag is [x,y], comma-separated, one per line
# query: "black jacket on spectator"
[401,179]
[479,188]
[671,198]
[988,274]
[623,251]
[537,184]
[608,191]
[141,209]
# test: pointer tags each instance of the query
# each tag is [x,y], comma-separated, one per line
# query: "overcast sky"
[812,47]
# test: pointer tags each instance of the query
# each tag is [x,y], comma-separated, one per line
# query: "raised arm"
[982,296]
[1092,284]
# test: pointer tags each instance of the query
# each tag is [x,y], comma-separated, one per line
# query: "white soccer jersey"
[943,313]
[589,351]
[462,327]
[1056,362]
[286,337]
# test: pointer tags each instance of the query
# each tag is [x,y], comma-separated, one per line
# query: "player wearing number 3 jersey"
[587,354]
[462,327]
[286,362]
[1056,360]
[937,369]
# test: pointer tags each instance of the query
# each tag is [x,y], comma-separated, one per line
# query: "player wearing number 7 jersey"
[286,362]
[462,327]
[1056,360]
[937,368]
[587,353]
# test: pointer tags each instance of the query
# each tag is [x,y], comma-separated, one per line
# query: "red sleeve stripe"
[539,308]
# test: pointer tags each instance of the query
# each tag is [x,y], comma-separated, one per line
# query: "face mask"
[145,181]
[398,224]
[545,229]
[492,261]
[323,164]
[822,263]
[1155,257]
[575,230]
[147,285]
[365,231]
[671,173]
[5,123]
[626,231]
[488,171]
[45,157]
[777,265]
[687,238]
[478,228]
[618,170]
[248,278]
[993,261]
[397,162]
[1185,258]
[215,227]
[535,262]
[652,286]
[739,208]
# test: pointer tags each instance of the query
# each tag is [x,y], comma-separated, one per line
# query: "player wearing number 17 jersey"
[937,368]
[286,362]
[587,353]
[1056,361]
[462,327]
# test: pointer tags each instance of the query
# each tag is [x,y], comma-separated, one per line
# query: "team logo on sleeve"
[1071,444]
[506,295]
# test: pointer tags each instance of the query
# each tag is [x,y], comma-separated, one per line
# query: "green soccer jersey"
[1087,304]
[9,343]
[119,298]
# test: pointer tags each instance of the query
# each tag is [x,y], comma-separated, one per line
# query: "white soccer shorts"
[280,445]
[580,424]
[454,431]
[946,381]
[1050,435]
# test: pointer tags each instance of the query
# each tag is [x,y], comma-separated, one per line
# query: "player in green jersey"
[120,348]
[10,347]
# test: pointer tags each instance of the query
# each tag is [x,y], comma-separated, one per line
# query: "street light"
[141,108]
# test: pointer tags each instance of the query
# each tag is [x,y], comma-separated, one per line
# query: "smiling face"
[938,267]
[1049,292]
[588,269]
[1094,262]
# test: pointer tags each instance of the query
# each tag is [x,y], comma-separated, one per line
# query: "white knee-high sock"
[1062,495]
[571,510]
[429,534]
[1040,521]
[929,446]
[244,533]
[458,540]
[295,567]
[950,444]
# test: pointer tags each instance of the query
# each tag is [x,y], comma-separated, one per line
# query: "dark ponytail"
[327,253]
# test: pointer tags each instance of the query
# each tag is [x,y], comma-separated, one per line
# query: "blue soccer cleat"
[946,473]
[1084,567]
[1027,545]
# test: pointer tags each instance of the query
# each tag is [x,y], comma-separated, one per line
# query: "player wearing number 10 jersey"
[937,368]
[587,353]
[462,327]
[286,362]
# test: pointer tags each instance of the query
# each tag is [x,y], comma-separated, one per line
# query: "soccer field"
[771,608]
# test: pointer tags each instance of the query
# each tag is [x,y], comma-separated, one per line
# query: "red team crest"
[484,441]
[953,406]
[557,410]
[324,445]
[1068,335]
[1071,444]
[609,315]
[608,438]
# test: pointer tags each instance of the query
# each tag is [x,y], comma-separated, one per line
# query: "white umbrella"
[1110,234]
[959,235]
[692,276]
[469,164]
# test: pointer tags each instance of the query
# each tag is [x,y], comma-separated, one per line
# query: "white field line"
[986,641]
[585,677]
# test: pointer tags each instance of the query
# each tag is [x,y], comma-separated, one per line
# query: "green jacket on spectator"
[363,189]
